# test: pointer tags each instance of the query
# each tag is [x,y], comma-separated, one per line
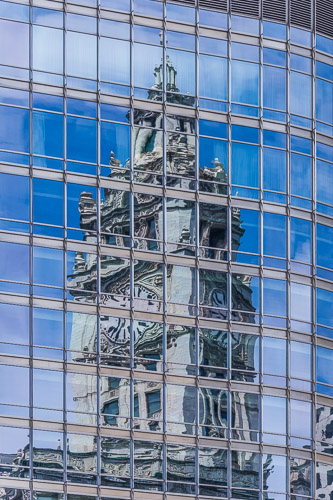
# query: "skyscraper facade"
[166,249]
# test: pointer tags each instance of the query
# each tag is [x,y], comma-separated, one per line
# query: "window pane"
[245,165]
[300,94]
[245,82]
[274,88]
[47,49]
[14,129]
[14,197]
[81,54]
[14,43]
[48,134]
[214,87]
[114,57]
[81,139]
[324,94]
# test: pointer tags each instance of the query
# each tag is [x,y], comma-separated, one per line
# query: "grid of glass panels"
[166,254]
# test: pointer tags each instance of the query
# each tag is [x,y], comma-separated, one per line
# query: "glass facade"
[166,252]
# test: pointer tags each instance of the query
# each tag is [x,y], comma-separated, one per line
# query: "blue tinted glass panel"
[244,82]
[117,69]
[214,129]
[210,149]
[325,152]
[14,43]
[116,113]
[300,63]
[47,17]
[300,240]
[324,44]
[48,266]
[245,134]
[243,51]
[115,138]
[301,175]
[324,365]
[13,96]
[301,302]
[274,414]
[81,139]
[184,63]
[48,201]
[181,40]
[274,235]
[324,182]
[325,308]
[218,20]
[275,297]
[83,108]
[215,86]
[14,262]
[301,37]
[81,55]
[77,22]
[324,95]
[300,94]
[245,165]
[146,34]
[146,57]
[274,355]
[114,29]
[324,246]
[274,30]
[301,145]
[48,134]
[74,192]
[180,13]
[274,166]
[273,56]
[245,25]
[14,11]
[274,88]
[148,7]
[14,129]
[46,101]
[48,49]
[14,323]
[276,139]
[213,45]
[249,240]
[14,197]
[48,327]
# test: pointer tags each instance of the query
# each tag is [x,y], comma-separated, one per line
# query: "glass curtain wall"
[166,254]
